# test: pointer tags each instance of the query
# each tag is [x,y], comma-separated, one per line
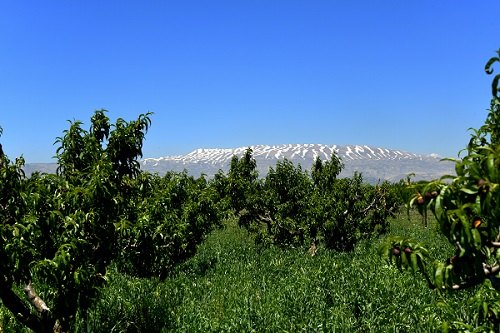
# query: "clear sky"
[220,74]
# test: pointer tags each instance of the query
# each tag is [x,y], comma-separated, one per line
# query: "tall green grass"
[234,285]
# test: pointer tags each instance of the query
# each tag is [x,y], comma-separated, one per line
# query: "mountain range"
[374,163]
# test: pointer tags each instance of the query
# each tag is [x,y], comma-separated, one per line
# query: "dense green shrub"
[173,214]
[59,233]
[61,237]
[294,208]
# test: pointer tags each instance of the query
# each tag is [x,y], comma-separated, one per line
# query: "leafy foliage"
[292,208]
[352,210]
[173,215]
[467,209]
[58,230]
[59,233]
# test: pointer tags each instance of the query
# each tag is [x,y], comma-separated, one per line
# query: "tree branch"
[427,279]
[495,244]
[35,300]
[15,305]
[370,206]
[266,218]
[491,270]
[466,284]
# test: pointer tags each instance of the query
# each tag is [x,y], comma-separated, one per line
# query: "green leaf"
[489,64]
[447,270]
[468,190]
[492,169]
[438,211]
[414,261]
[438,276]
[477,238]
[494,85]
[404,260]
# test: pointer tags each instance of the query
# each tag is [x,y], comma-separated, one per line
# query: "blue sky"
[395,74]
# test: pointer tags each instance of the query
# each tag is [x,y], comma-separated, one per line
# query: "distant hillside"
[375,163]
[29,168]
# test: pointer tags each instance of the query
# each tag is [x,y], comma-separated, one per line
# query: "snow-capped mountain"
[375,163]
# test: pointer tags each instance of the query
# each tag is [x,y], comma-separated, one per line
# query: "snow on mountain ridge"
[374,163]
[292,151]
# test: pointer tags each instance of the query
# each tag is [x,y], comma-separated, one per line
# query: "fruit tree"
[467,209]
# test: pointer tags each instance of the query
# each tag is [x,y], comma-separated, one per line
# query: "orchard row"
[59,233]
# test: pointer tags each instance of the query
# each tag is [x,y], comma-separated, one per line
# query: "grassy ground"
[233,285]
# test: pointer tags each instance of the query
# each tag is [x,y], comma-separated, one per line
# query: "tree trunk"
[42,323]
[22,313]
